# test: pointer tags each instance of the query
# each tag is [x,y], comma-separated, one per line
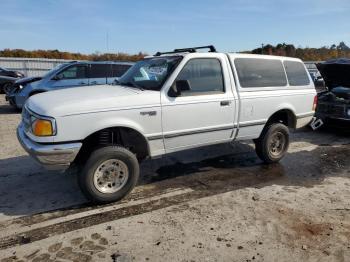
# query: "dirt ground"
[217,203]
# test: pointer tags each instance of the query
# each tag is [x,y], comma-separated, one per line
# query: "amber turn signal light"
[42,127]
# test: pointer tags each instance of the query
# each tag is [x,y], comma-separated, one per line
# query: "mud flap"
[316,123]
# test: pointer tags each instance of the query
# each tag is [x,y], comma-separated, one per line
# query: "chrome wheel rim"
[277,144]
[111,176]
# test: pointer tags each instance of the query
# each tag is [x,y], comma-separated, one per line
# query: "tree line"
[56,54]
[283,49]
[306,54]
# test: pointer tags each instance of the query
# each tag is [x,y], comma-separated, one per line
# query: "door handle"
[94,82]
[225,103]
[82,83]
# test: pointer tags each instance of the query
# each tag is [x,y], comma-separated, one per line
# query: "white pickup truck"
[166,103]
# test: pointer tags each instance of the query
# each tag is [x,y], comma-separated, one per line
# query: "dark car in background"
[7,78]
[334,103]
[67,75]
[315,75]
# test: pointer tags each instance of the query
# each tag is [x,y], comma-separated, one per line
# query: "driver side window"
[204,76]
[73,72]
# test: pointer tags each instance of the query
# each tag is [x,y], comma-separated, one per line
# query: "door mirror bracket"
[178,87]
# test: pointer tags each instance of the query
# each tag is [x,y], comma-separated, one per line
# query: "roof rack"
[189,50]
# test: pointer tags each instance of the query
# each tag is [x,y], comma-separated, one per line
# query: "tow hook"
[316,123]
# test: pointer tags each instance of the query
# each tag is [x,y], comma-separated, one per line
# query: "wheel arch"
[285,115]
[122,135]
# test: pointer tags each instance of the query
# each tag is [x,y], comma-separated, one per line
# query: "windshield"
[53,70]
[150,73]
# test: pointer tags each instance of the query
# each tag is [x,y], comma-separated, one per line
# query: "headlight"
[348,112]
[42,126]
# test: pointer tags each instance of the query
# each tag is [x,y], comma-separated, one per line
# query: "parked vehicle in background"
[7,78]
[315,75]
[334,103]
[66,75]
[166,103]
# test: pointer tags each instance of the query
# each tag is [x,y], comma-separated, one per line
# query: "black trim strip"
[186,133]
[256,123]
[56,143]
[155,137]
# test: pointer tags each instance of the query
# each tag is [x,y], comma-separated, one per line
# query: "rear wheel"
[110,174]
[273,143]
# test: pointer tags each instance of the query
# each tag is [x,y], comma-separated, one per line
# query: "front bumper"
[52,156]
[16,100]
[10,99]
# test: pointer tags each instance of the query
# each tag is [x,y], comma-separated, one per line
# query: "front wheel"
[6,88]
[109,174]
[273,143]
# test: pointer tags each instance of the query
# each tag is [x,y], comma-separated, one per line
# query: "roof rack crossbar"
[189,50]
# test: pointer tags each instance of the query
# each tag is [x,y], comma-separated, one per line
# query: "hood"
[27,80]
[335,72]
[8,78]
[80,100]
[9,73]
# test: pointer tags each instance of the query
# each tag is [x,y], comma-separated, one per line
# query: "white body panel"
[257,105]
[197,120]
[175,123]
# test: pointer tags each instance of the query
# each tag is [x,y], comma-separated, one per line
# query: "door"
[204,114]
[98,74]
[75,75]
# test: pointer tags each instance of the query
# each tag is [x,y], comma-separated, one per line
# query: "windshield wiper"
[130,84]
[115,82]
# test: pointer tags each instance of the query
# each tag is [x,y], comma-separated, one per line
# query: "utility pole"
[107,42]
[262,49]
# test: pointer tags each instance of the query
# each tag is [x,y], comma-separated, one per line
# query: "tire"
[273,143]
[100,179]
[6,87]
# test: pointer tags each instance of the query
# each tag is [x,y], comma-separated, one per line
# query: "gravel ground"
[217,203]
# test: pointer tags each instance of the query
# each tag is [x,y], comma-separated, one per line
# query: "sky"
[161,25]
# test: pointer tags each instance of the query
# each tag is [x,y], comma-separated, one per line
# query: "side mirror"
[178,87]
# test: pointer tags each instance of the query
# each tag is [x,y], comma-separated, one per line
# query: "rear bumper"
[332,117]
[52,156]
[333,111]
